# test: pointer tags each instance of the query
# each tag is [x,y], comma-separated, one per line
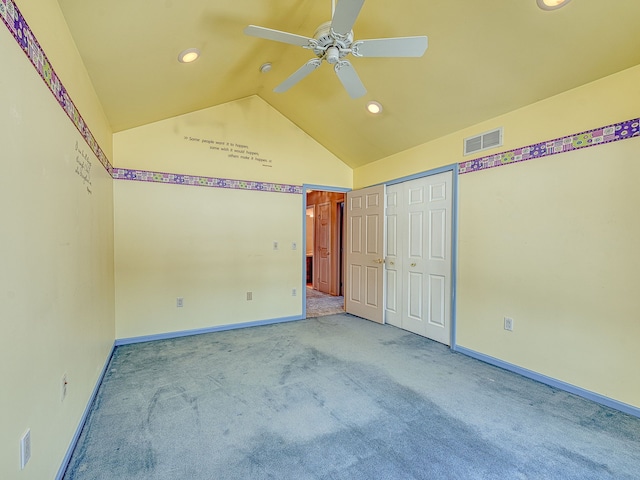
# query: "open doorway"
[324,259]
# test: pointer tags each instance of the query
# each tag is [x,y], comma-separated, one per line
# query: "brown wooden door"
[323,242]
[327,243]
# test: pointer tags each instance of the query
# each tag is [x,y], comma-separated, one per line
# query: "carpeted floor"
[338,397]
[321,304]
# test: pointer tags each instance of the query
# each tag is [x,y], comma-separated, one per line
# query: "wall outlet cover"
[508,324]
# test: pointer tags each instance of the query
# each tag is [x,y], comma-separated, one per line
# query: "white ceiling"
[485,58]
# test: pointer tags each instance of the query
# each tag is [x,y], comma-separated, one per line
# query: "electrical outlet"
[275,245]
[294,246]
[249,295]
[180,302]
[508,324]
[25,449]
[294,292]
[63,387]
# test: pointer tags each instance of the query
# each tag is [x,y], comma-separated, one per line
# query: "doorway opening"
[324,256]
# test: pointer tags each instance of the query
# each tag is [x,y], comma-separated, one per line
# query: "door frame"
[454,233]
[305,189]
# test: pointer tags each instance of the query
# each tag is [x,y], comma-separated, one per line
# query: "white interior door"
[418,263]
[364,256]
[438,257]
[394,254]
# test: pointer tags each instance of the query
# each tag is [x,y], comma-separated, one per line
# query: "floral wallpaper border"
[590,138]
[174,178]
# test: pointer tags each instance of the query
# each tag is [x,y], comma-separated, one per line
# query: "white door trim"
[303,251]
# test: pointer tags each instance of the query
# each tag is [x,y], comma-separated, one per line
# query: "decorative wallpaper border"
[589,138]
[17,25]
[197,181]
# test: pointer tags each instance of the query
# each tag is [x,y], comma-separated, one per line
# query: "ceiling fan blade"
[350,79]
[277,36]
[298,75]
[345,15]
[390,47]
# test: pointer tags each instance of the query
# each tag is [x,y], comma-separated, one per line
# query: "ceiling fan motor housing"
[331,46]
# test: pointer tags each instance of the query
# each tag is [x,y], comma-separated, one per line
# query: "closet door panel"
[418,256]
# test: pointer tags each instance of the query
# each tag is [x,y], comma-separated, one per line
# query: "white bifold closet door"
[418,256]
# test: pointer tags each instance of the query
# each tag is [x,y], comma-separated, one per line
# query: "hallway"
[320,304]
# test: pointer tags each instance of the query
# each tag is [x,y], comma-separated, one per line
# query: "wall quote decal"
[235,150]
[83,166]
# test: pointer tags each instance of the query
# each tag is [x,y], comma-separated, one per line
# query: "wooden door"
[327,248]
[323,239]
[364,256]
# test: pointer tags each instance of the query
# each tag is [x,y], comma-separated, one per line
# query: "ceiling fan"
[333,41]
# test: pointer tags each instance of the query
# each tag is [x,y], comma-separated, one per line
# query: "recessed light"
[552,4]
[189,55]
[265,67]
[374,107]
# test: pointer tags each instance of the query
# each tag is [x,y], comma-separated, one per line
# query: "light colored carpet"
[338,398]
[322,304]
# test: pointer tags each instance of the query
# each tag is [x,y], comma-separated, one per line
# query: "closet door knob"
[413,264]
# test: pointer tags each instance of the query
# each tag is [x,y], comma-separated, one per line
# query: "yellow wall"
[45,19]
[56,253]
[606,101]
[195,144]
[551,243]
[211,246]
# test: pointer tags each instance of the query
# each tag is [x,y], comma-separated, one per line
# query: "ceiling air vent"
[483,141]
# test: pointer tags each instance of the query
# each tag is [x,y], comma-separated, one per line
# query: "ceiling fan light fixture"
[374,108]
[189,55]
[332,56]
[551,4]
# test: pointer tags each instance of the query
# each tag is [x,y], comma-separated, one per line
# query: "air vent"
[484,141]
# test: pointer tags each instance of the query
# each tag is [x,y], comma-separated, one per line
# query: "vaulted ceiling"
[485,58]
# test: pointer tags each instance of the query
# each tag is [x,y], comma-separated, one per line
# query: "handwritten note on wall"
[83,166]
[233,150]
